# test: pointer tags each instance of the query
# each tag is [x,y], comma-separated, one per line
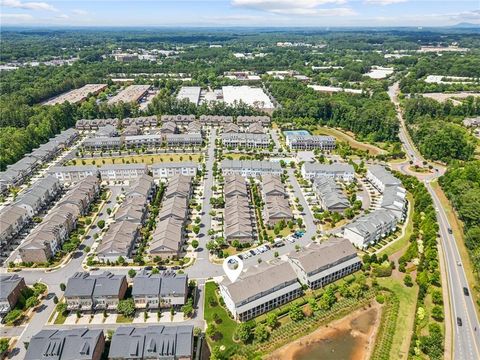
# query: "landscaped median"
[283,325]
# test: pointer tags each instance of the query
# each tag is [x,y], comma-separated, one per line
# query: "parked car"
[252,252]
[465,291]
[450,231]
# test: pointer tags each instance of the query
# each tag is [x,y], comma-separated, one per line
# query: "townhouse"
[245,140]
[132,130]
[121,236]
[318,265]
[106,131]
[369,229]
[260,289]
[122,172]
[102,143]
[380,178]
[12,287]
[231,128]
[184,140]
[168,127]
[46,239]
[17,173]
[91,292]
[250,168]
[156,291]
[169,234]
[39,195]
[329,194]
[148,141]
[82,343]
[74,173]
[215,120]
[152,342]
[179,120]
[168,169]
[276,206]
[255,128]
[238,217]
[310,142]
[141,121]
[194,127]
[12,220]
[94,124]
[336,171]
[247,120]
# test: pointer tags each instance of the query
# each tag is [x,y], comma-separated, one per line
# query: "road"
[466,338]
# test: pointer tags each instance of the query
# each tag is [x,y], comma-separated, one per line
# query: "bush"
[126,307]
[380,299]
[407,280]
[13,316]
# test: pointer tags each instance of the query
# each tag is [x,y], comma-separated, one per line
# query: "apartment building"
[250,168]
[329,195]
[260,289]
[336,171]
[318,265]
[155,291]
[90,292]
[310,142]
[81,343]
[369,229]
[152,342]
[12,286]
[169,169]
[122,172]
[276,206]
[46,239]
[238,217]
[245,140]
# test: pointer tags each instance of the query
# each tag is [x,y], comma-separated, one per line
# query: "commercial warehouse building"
[131,94]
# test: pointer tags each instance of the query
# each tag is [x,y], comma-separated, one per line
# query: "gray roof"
[85,284]
[155,341]
[318,257]
[162,284]
[384,176]
[75,344]
[329,168]
[8,283]
[251,164]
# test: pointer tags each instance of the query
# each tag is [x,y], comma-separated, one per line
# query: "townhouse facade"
[337,171]
[39,195]
[310,142]
[250,168]
[12,220]
[167,170]
[329,194]
[247,120]
[179,120]
[73,173]
[12,287]
[122,172]
[245,140]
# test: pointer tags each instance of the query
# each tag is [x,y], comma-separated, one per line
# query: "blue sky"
[267,13]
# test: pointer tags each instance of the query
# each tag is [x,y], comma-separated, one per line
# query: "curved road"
[466,338]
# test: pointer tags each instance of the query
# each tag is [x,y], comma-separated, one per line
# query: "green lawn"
[123,319]
[406,315]
[403,241]
[342,136]
[134,159]
[60,319]
[227,326]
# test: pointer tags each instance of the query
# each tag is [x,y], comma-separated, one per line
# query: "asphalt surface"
[466,338]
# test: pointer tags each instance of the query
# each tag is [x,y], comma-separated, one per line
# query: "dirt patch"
[349,338]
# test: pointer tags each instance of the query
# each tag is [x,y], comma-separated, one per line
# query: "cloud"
[16,4]
[79,12]
[63,16]
[296,7]
[384,2]
[470,16]
[16,18]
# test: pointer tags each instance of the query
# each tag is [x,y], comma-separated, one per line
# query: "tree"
[295,312]
[187,309]
[271,320]
[62,286]
[32,302]
[211,330]
[437,313]
[196,229]
[132,273]
[407,280]
[261,333]
[243,331]
[195,244]
[126,307]
[4,343]
[101,224]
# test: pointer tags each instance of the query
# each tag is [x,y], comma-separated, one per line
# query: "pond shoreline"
[365,341]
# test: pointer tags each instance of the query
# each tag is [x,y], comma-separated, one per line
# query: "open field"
[349,138]
[457,228]
[136,159]
[405,318]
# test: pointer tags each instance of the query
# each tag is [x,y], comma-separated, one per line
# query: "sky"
[242,13]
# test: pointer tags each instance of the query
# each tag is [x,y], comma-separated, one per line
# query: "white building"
[310,142]
[167,170]
[250,168]
[380,178]
[337,171]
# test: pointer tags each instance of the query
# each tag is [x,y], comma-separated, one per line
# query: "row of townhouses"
[216,120]
[13,218]
[46,239]
[238,217]
[250,168]
[253,128]
[245,140]
[169,235]
[336,171]
[266,286]
[138,141]
[122,235]
[276,206]
[16,174]
[310,142]
[329,194]
[12,287]
[114,172]
[128,342]
[369,229]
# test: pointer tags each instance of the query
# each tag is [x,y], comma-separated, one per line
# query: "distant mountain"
[466,25]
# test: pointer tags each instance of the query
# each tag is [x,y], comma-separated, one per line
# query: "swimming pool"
[296,132]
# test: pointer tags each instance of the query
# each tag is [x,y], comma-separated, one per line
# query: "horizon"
[240,13]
